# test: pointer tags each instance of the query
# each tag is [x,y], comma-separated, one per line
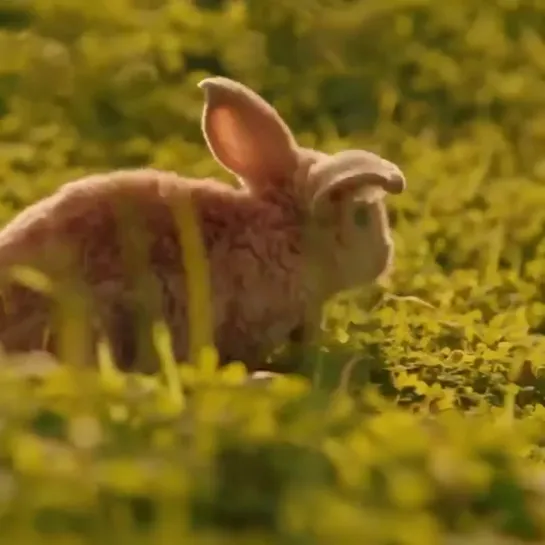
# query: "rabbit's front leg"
[288,358]
[296,356]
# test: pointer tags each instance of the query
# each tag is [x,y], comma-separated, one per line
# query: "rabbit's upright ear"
[246,134]
[361,175]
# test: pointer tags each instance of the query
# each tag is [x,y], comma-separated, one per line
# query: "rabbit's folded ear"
[246,134]
[360,174]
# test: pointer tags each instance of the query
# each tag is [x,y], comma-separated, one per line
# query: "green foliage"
[419,418]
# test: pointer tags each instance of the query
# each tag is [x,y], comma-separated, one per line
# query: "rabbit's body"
[82,216]
[253,236]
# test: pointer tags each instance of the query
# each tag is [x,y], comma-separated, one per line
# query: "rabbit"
[253,234]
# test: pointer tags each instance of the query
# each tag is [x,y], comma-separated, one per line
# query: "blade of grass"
[197,271]
[163,344]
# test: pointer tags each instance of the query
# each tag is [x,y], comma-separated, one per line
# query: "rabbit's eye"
[361,216]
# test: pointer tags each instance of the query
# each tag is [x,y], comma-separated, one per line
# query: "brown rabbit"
[253,235]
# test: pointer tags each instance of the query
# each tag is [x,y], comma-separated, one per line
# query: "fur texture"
[261,266]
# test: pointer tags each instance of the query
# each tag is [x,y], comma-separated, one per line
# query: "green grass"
[420,415]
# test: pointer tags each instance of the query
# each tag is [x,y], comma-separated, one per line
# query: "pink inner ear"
[230,148]
[247,136]
[227,118]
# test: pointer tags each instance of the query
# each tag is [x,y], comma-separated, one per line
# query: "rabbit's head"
[339,196]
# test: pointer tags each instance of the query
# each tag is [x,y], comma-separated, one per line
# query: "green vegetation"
[422,418]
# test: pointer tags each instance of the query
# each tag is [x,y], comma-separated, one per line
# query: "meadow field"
[419,419]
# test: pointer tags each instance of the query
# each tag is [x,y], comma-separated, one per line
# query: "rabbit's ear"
[246,134]
[359,174]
